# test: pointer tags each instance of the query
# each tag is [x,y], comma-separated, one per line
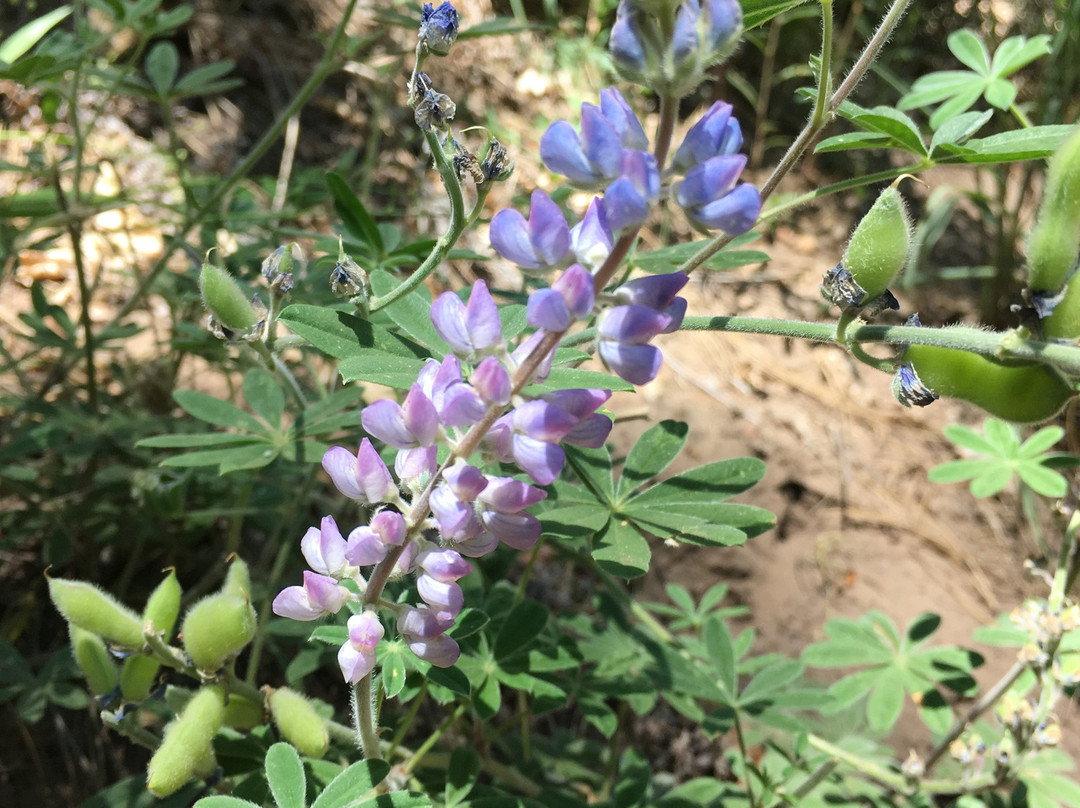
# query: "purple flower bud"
[591,238]
[627,200]
[365,631]
[444,597]
[461,405]
[363,476]
[413,464]
[654,291]
[318,596]
[716,134]
[591,431]
[540,243]
[684,39]
[711,199]
[465,481]
[491,381]
[467,329]
[390,527]
[355,664]
[623,119]
[633,325]
[324,548]
[443,565]
[723,22]
[625,43]
[438,28]
[364,547]
[518,530]
[507,495]
[406,562]
[637,364]
[441,651]
[421,623]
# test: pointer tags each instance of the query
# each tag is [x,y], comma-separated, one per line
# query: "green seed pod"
[298,722]
[238,579]
[1054,244]
[94,660]
[187,744]
[217,628]
[137,676]
[879,247]
[1024,393]
[89,608]
[163,605]
[243,714]
[224,298]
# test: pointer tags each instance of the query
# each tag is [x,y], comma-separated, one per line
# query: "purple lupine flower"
[710,197]
[537,427]
[455,516]
[438,28]
[507,495]
[412,464]
[590,159]
[592,428]
[518,530]
[319,596]
[624,333]
[591,239]
[442,651]
[413,423]
[363,476]
[390,527]
[627,199]
[684,39]
[324,548]
[364,547]
[539,243]
[406,562]
[525,349]
[491,380]
[456,402]
[442,564]
[637,364]
[626,43]
[479,545]
[626,123]
[444,597]
[356,657]
[468,329]
[657,292]
[717,133]
[569,298]
[722,22]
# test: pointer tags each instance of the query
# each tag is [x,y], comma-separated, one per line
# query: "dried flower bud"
[438,28]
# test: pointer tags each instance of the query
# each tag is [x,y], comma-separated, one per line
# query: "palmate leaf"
[651,454]
[342,335]
[411,313]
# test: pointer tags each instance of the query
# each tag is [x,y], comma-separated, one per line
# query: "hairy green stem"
[825,72]
[453,230]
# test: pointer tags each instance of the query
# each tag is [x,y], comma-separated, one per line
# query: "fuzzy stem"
[669,107]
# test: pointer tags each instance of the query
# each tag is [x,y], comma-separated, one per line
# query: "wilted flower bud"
[431,109]
[438,28]
[496,165]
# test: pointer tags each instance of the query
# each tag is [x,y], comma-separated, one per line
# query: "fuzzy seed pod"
[298,722]
[137,676]
[217,628]
[224,298]
[1054,245]
[163,605]
[879,247]
[238,579]
[1024,393]
[94,660]
[187,747]
[84,605]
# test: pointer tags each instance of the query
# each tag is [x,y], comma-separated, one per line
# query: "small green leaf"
[411,313]
[853,140]
[886,701]
[162,64]
[235,458]
[1033,143]
[194,440]
[621,550]
[461,775]
[956,130]
[759,12]
[969,49]
[1016,52]
[379,367]
[991,481]
[936,87]
[30,34]
[353,214]
[652,453]
[956,471]
[1000,93]
[721,651]
[285,776]
[342,335]
[264,396]
[353,784]
[217,412]
[713,482]
[392,665]
[1041,441]
[771,679]
[523,625]
[224,802]
[1042,480]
